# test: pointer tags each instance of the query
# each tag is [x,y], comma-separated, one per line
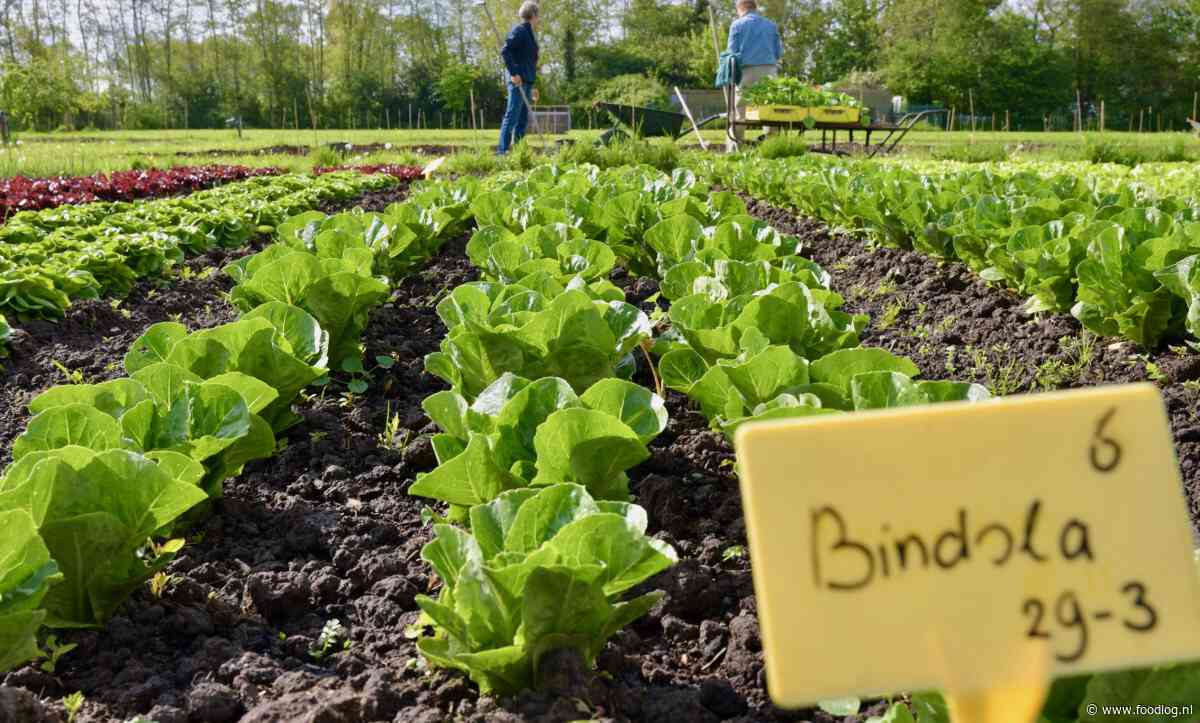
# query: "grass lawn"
[83,153]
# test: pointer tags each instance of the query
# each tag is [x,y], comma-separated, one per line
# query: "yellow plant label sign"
[968,546]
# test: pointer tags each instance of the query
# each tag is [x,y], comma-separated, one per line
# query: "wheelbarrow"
[647,122]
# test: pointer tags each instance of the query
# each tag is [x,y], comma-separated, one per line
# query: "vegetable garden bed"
[300,595]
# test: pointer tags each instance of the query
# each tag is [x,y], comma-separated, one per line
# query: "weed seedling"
[331,634]
[54,650]
[159,584]
[1001,380]
[391,428]
[1155,373]
[891,313]
[951,363]
[73,703]
[885,288]
[733,552]
[73,376]
[360,376]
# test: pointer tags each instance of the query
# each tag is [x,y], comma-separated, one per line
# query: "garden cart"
[827,121]
[647,122]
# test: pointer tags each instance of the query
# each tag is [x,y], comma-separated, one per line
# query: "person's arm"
[778,47]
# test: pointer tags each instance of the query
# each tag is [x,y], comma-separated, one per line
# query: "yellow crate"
[835,114]
[797,114]
[777,113]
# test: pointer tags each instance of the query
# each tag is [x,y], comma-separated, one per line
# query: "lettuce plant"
[519,433]
[540,570]
[808,321]
[398,239]
[572,336]
[683,238]
[96,511]
[5,336]
[560,251]
[277,344]
[163,407]
[26,575]
[773,382]
[334,285]
[1183,280]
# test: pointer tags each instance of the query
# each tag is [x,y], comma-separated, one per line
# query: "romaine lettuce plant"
[163,407]
[540,570]
[808,321]
[519,433]
[774,382]
[96,511]
[334,285]
[572,336]
[560,251]
[277,344]
[26,575]
[5,336]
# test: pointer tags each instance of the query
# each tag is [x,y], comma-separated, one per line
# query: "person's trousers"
[516,118]
[751,74]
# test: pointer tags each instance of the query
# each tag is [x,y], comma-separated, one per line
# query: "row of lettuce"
[19,193]
[541,547]
[50,257]
[106,477]
[1115,248]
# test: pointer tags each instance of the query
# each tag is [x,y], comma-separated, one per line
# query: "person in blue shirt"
[520,53]
[756,40]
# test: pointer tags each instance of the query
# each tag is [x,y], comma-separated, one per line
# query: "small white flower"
[20,142]
[387,146]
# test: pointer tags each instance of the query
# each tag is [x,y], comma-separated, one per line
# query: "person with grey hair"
[756,41]
[520,53]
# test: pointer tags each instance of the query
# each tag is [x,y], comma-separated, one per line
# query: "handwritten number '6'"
[1105,453]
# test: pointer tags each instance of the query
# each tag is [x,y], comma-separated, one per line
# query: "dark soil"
[954,325]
